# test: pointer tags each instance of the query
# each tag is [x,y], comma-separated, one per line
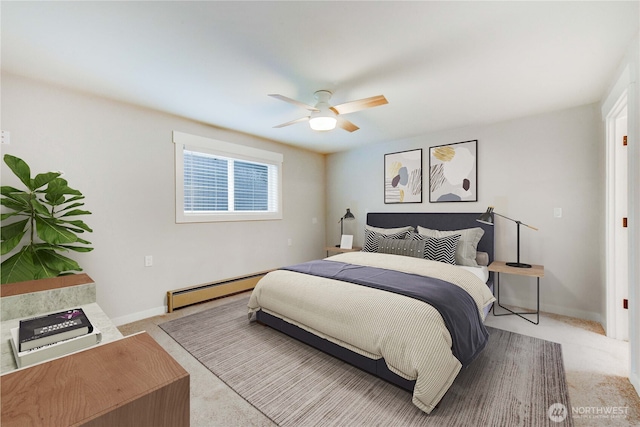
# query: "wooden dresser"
[129,382]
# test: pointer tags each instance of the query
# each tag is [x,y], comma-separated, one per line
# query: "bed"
[411,321]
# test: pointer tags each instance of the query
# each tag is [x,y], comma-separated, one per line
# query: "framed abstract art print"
[403,177]
[453,172]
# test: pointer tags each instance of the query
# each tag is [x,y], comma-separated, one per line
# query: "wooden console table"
[129,382]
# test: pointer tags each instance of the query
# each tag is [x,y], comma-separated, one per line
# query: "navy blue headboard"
[435,221]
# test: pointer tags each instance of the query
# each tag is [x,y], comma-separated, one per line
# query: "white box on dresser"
[28,299]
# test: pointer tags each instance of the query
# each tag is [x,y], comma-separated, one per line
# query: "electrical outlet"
[5,137]
[148,260]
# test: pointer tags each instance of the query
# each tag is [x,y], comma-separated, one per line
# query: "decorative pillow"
[467,247]
[482,258]
[387,231]
[372,236]
[441,249]
[412,248]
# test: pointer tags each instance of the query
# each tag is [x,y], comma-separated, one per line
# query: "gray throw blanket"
[459,311]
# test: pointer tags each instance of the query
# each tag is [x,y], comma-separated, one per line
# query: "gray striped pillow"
[412,248]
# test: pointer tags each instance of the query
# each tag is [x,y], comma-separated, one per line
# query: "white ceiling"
[441,65]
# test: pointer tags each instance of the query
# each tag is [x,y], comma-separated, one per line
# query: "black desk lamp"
[487,218]
[347,217]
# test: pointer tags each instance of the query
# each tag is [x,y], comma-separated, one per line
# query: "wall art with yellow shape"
[403,177]
[453,172]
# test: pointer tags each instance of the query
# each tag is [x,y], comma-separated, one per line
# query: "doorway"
[617,255]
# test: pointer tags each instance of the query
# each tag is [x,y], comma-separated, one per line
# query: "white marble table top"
[93,311]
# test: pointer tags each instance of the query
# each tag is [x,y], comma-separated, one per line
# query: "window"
[220,181]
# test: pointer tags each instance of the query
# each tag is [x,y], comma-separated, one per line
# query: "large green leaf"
[6,190]
[8,215]
[57,189]
[12,234]
[77,248]
[44,178]
[9,231]
[20,169]
[16,205]
[71,206]
[39,207]
[76,212]
[73,199]
[84,242]
[49,262]
[19,196]
[18,267]
[49,231]
[74,230]
[80,224]
[10,244]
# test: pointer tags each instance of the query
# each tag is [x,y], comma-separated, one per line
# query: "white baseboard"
[134,317]
[550,308]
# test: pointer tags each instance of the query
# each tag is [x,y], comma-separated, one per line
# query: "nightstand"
[339,250]
[536,271]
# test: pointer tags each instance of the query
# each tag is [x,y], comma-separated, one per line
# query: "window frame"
[230,151]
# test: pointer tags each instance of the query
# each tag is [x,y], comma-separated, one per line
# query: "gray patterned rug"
[515,381]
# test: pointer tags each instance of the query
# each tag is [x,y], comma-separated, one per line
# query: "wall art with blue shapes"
[453,172]
[403,177]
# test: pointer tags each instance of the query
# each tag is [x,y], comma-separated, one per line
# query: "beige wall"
[526,168]
[122,158]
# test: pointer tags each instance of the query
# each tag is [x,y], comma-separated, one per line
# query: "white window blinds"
[219,181]
[205,183]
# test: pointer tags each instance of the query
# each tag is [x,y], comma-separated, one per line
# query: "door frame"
[617,318]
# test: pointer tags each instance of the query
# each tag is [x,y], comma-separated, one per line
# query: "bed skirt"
[375,367]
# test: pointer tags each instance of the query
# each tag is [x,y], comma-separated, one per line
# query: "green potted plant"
[46,215]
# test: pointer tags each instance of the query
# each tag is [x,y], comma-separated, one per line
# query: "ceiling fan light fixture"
[324,117]
[322,121]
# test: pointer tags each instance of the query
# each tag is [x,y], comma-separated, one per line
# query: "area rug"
[516,381]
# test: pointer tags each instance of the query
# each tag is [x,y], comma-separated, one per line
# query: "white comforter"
[409,334]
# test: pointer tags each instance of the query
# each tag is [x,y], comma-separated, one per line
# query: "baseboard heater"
[195,294]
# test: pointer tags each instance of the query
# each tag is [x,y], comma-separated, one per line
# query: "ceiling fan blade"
[352,106]
[346,125]
[292,122]
[293,101]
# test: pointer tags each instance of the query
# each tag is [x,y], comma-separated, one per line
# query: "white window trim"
[225,149]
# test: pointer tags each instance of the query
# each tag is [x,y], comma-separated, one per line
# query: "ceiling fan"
[325,117]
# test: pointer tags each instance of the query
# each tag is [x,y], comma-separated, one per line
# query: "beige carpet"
[514,381]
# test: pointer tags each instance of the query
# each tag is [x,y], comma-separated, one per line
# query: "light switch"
[557,212]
